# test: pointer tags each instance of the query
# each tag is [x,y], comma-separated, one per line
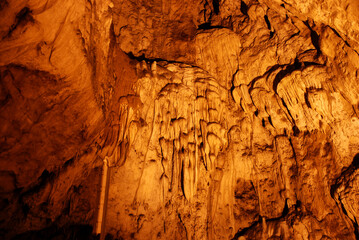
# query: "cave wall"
[221,119]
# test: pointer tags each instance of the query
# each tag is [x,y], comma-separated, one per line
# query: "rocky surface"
[221,119]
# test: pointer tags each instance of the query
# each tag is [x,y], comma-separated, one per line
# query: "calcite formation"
[215,119]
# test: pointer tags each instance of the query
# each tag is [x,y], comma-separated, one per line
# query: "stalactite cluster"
[179,119]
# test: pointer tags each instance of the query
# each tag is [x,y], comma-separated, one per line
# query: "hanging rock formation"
[221,119]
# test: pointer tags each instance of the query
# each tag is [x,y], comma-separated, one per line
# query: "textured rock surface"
[222,119]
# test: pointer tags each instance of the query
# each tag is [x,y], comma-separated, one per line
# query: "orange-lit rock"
[220,119]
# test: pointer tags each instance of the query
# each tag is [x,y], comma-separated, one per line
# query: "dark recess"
[343,179]
[21,18]
[355,162]
[182,179]
[284,215]
[215,6]
[45,177]
[285,105]
[298,204]
[71,232]
[296,130]
[244,8]
[144,58]
[356,230]
[3,4]
[314,37]
[245,230]
[207,25]
[286,71]
[267,22]
[4,202]
[270,121]
[345,175]
[307,100]
[69,162]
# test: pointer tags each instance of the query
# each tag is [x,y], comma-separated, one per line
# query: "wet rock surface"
[221,119]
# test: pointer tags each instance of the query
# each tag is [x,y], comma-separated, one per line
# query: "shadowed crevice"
[244,8]
[245,230]
[77,231]
[22,18]
[344,178]
[267,22]
[151,60]
[216,6]
[345,175]
[207,26]
[314,37]
[289,69]
[294,210]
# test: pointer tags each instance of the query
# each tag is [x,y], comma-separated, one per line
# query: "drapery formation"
[220,119]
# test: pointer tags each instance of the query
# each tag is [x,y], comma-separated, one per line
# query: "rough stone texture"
[222,119]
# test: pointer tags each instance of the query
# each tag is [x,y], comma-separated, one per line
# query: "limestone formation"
[180,119]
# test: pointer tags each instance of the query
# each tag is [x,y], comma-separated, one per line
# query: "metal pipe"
[102,202]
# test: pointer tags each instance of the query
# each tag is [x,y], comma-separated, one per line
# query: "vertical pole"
[103,229]
[102,203]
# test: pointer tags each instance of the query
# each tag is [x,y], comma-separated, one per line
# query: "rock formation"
[215,119]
